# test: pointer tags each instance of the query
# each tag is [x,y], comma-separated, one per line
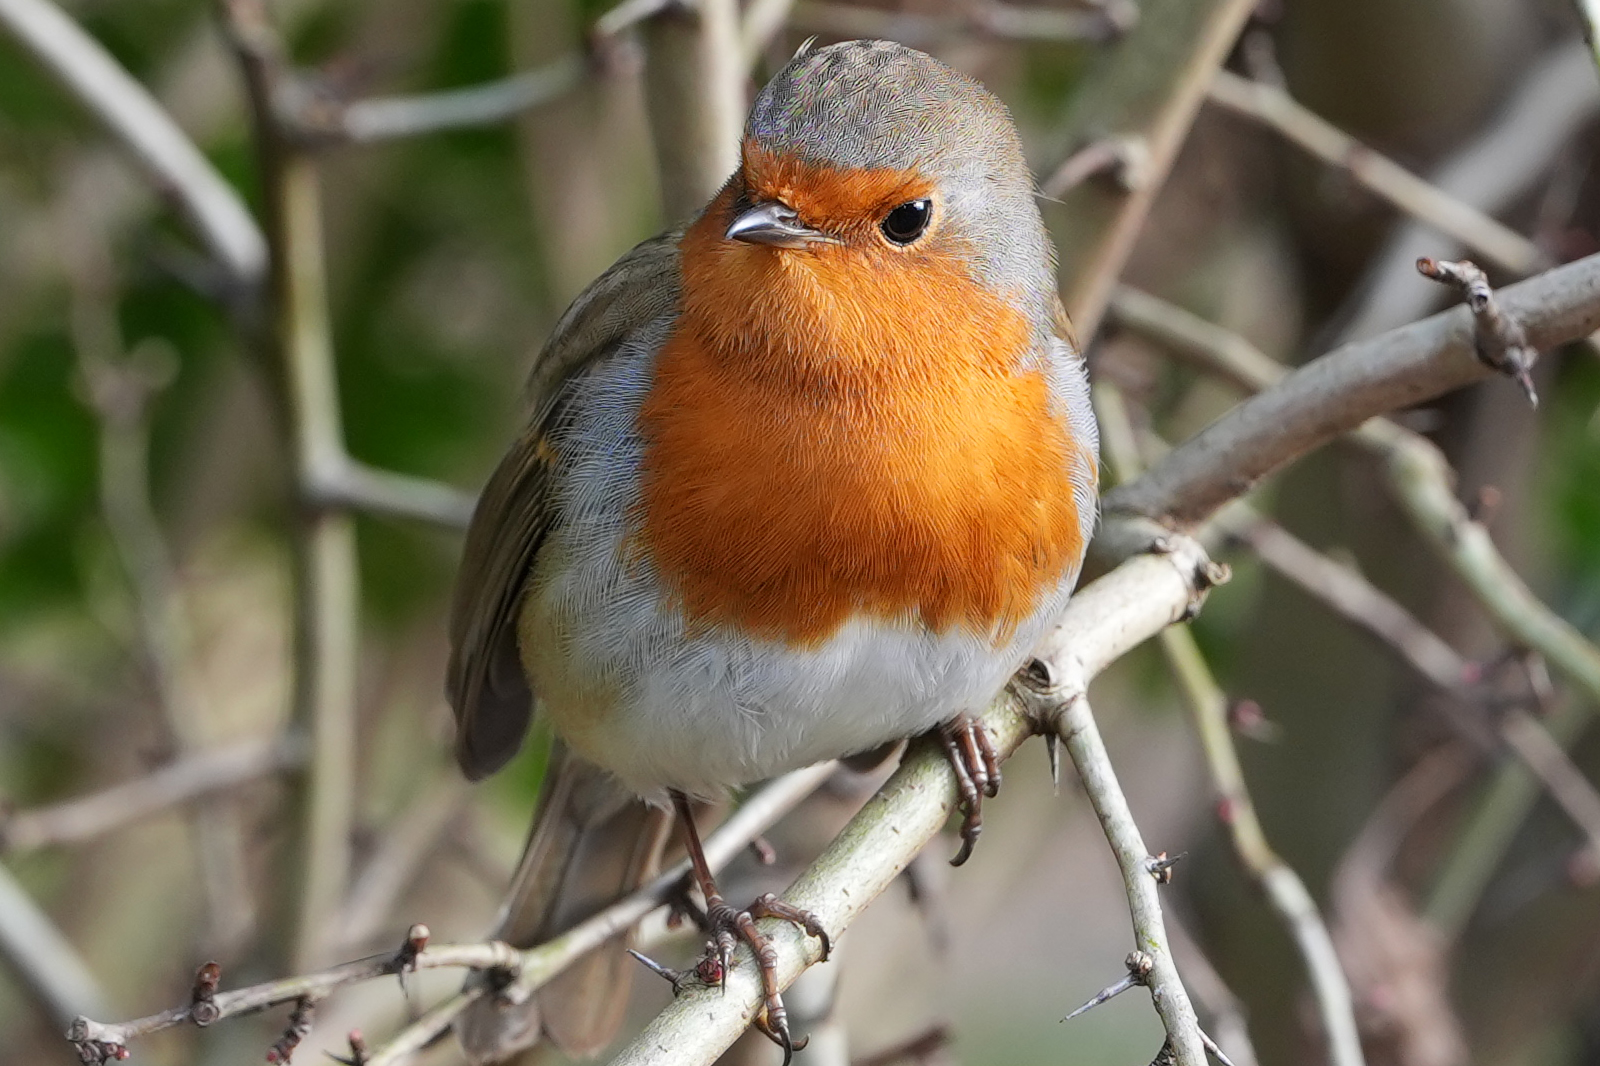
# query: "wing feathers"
[485,682]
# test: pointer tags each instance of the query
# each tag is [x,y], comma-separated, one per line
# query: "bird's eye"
[905,223]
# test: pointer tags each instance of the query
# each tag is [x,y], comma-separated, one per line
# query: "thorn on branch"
[202,999]
[1161,865]
[1500,340]
[358,1051]
[676,978]
[1485,505]
[1139,966]
[405,960]
[1246,718]
[299,1025]
[763,851]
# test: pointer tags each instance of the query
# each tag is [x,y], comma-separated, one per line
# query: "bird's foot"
[977,768]
[728,927]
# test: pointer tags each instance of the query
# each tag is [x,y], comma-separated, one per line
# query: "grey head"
[874,105]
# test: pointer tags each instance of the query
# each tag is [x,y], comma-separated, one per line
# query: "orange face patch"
[837,202]
[846,429]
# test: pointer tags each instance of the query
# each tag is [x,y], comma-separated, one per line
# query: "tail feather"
[591,843]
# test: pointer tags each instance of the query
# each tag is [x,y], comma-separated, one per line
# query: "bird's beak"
[774,224]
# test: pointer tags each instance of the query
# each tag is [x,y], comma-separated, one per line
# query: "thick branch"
[694,78]
[1339,391]
[325,551]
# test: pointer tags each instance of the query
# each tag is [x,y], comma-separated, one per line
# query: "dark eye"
[905,223]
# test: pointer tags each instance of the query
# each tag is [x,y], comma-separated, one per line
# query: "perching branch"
[1103,621]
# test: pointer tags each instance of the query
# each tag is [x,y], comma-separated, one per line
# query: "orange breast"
[848,431]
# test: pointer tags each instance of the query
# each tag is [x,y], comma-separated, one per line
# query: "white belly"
[628,686]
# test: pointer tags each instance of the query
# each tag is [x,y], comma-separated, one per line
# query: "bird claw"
[977,768]
[726,924]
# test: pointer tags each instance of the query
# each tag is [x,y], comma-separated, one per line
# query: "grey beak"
[773,224]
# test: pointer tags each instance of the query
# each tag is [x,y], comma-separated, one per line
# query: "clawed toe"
[727,926]
[977,768]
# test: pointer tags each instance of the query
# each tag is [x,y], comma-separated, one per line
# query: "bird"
[811,475]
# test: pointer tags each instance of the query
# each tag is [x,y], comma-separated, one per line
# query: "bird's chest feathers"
[832,436]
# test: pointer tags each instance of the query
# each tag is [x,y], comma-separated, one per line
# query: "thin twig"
[135,119]
[1501,341]
[492,955]
[42,957]
[1510,158]
[181,781]
[1146,87]
[1272,106]
[1078,731]
[390,117]
[1235,809]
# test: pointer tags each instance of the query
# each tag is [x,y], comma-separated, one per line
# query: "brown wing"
[485,683]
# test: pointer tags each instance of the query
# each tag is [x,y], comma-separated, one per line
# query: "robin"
[812,475]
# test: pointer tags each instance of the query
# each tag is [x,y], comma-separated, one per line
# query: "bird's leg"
[727,926]
[977,769]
